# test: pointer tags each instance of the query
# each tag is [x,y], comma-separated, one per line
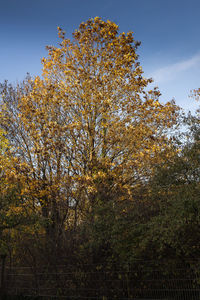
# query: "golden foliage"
[92,129]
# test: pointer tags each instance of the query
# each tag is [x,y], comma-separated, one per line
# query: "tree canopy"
[89,129]
[89,166]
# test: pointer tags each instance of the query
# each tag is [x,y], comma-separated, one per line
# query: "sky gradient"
[168,29]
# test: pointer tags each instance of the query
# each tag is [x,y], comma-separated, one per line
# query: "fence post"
[2,287]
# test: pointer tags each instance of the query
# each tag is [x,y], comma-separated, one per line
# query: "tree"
[16,213]
[88,131]
[173,229]
[10,209]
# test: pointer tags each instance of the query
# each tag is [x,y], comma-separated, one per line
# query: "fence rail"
[147,281]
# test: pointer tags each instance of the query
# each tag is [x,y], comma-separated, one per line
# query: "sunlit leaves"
[89,128]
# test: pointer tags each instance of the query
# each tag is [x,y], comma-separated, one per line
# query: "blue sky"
[168,29]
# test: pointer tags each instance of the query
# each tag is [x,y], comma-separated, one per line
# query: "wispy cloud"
[170,72]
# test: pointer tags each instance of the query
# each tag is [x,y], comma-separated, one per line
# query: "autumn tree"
[88,131]
[11,211]
[17,214]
